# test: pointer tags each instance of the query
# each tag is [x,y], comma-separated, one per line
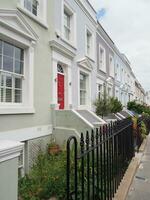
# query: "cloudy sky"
[128,24]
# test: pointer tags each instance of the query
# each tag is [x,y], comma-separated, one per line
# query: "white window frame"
[102,63]
[111,66]
[88,86]
[99,90]
[83,90]
[41,17]
[13,75]
[68,9]
[91,53]
[27,94]
[109,91]
[67,27]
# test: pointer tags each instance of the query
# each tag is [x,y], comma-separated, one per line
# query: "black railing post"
[82,165]
[97,161]
[88,165]
[75,167]
[96,169]
[93,164]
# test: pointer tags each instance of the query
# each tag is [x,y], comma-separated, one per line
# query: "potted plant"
[53,147]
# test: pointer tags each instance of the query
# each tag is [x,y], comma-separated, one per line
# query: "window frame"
[31,6]
[111,65]
[66,27]
[99,91]
[89,32]
[6,73]
[41,17]
[66,8]
[102,66]
[83,89]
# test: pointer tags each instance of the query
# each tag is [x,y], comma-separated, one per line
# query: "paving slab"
[140,187]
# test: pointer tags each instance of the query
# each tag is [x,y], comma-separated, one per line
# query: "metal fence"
[96,164]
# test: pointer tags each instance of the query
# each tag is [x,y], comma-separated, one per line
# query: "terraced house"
[55,60]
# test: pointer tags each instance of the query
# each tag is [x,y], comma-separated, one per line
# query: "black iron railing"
[96,164]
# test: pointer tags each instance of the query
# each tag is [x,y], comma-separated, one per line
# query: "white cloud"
[128,24]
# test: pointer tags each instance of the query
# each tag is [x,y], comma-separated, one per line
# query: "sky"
[128,24]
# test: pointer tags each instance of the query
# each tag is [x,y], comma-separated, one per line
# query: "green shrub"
[138,108]
[143,130]
[115,105]
[47,178]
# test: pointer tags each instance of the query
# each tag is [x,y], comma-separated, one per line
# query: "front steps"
[74,122]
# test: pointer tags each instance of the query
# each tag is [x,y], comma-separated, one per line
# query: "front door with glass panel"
[60,87]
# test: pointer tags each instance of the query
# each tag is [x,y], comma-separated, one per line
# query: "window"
[117,72]
[89,43]
[32,6]
[111,66]
[67,25]
[102,59]
[11,73]
[109,92]
[83,89]
[99,87]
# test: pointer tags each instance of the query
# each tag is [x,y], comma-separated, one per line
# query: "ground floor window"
[99,91]
[83,88]
[11,73]
[109,92]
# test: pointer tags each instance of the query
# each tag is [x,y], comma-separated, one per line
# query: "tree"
[103,105]
[115,105]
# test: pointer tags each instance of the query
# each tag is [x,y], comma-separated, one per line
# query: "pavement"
[140,187]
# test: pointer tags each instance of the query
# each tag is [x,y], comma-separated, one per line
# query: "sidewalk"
[140,188]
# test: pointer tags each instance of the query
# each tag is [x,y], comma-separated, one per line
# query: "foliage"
[115,105]
[102,107]
[138,108]
[107,105]
[47,178]
[143,130]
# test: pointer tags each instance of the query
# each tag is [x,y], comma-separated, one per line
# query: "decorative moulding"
[86,63]
[61,49]
[13,20]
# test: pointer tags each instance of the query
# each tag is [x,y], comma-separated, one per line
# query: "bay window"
[11,73]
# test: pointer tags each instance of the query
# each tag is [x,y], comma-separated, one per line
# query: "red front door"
[60,88]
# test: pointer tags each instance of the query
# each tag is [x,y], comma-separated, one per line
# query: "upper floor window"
[117,72]
[102,59]
[89,43]
[67,25]
[11,73]
[111,66]
[32,6]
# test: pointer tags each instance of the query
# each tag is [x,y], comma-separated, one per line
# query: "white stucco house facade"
[55,59]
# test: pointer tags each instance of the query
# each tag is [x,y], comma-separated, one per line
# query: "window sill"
[33,17]
[90,58]
[8,110]
[102,70]
[70,43]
